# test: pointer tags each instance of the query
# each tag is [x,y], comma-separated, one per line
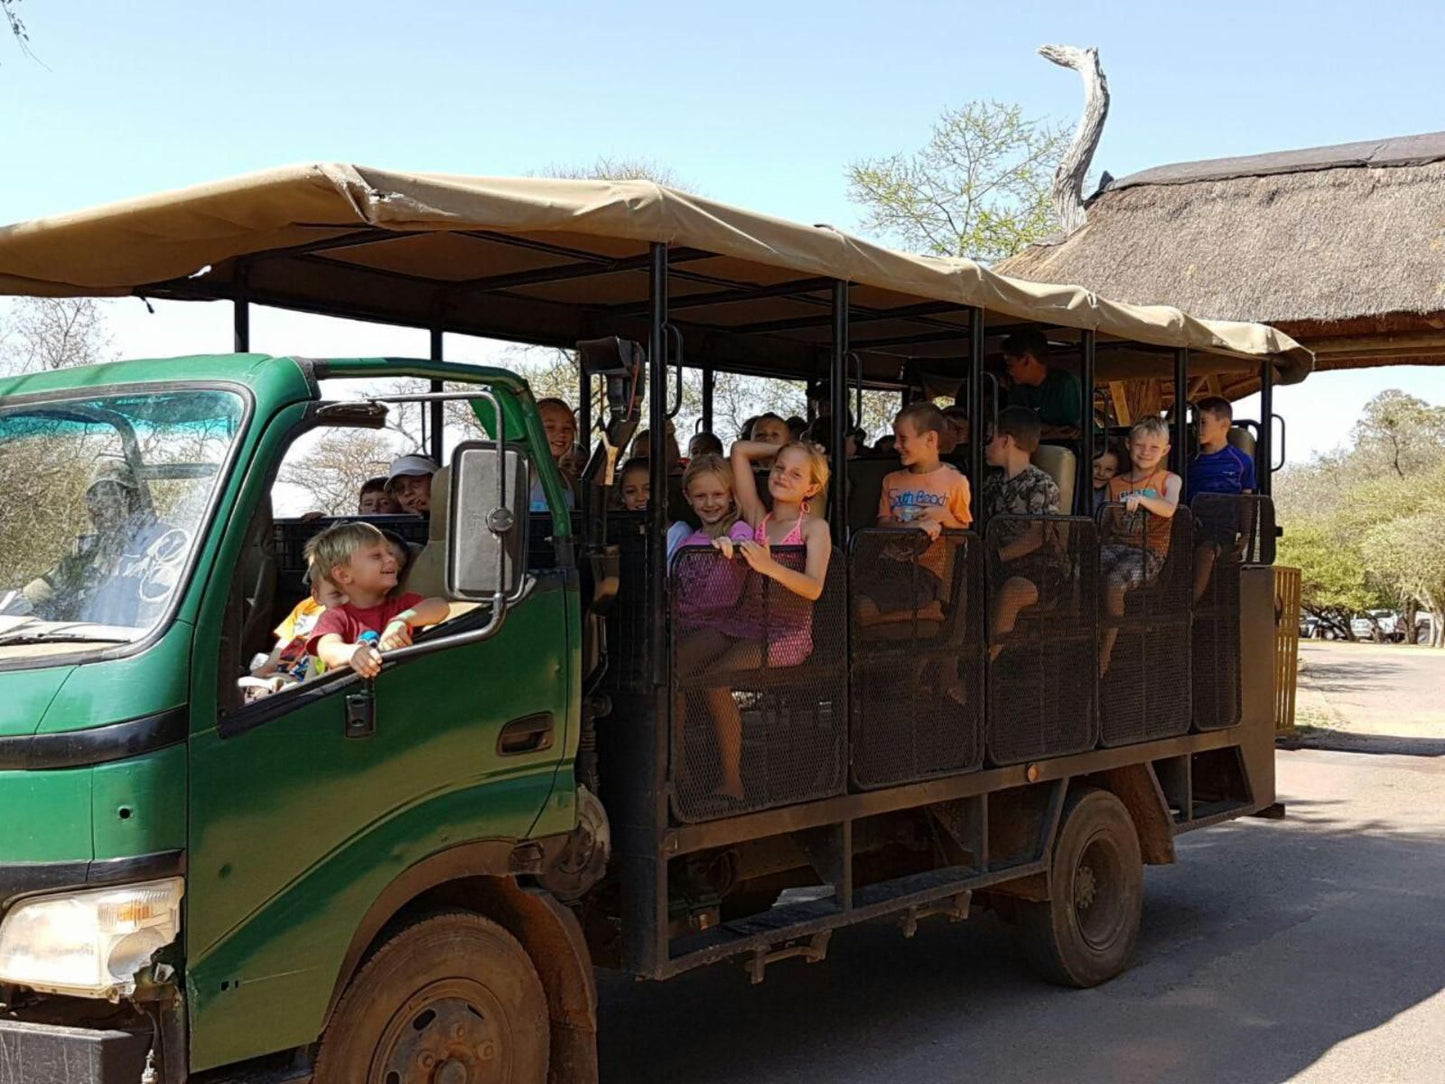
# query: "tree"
[1407,548]
[1333,582]
[978,188]
[1363,523]
[1399,433]
[334,467]
[11,10]
[610,167]
[45,333]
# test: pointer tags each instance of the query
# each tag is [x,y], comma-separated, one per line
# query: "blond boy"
[357,558]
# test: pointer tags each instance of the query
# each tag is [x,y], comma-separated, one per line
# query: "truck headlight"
[89,943]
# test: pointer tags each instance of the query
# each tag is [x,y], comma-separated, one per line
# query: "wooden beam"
[1120,398]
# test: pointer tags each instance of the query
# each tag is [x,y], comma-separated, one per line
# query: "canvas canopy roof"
[552,261]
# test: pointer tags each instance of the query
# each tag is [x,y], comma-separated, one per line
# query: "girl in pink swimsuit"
[769,627]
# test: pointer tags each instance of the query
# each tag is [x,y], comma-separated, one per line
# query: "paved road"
[1383,690]
[1308,949]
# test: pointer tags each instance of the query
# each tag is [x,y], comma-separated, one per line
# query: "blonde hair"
[817,463]
[712,463]
[1151,425]
[334,546]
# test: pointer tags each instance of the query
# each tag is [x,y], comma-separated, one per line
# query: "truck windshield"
[101,503]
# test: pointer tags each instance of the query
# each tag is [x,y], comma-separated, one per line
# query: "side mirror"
[486,521]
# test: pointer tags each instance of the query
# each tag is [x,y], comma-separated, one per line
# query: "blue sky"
[758,104]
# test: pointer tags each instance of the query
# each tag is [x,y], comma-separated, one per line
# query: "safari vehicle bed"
[411,879]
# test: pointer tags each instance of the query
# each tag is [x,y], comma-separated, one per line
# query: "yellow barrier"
[1286,646]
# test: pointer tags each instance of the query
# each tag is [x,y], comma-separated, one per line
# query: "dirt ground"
[1392,694]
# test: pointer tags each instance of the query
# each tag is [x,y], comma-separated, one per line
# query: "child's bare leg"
[1114,607]
[727,719]
[694,651]
[1204,557]
[1016,595]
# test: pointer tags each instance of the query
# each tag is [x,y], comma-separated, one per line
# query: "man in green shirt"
[1051,393]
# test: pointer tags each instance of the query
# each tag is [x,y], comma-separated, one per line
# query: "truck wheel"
[452,999]
[1085,933]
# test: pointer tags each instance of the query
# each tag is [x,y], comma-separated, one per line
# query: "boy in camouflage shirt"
[1030,556]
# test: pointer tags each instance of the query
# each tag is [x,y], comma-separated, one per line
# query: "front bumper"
[50,1054]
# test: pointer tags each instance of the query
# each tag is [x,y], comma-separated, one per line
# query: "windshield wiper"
[59,638]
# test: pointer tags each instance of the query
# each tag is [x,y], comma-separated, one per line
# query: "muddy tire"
[451,999]
[1085,933]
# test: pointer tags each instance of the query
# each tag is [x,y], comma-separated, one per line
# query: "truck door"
[297,824]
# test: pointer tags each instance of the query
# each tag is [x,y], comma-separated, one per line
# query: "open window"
[319,479]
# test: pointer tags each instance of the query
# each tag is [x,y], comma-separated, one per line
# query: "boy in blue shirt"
[1219,467]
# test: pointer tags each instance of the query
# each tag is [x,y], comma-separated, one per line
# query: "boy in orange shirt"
[928,494]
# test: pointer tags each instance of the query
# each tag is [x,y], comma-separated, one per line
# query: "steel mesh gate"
[917,653]
[1145,691]
[1230,532]
[758,670]
[1042,673]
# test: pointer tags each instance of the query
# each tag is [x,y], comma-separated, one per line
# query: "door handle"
[530,734]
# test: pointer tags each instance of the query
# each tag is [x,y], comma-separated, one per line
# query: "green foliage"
[1334,585]
[978,188]
[1366,524]
[1399,434]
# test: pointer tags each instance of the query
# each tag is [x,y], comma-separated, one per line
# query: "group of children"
[357,606]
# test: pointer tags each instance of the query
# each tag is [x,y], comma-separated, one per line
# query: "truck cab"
[187,869]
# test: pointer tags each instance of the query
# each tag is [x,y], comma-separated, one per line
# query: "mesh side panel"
[1042,682]
[1235,530]
[1145,692]
[755,662]
[628,621]
[917,655]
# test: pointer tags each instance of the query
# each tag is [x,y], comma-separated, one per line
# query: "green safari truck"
[410,880]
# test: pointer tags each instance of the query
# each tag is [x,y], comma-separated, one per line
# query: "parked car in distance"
[1381,626]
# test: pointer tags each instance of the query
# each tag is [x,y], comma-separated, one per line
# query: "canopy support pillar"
[977,432]
[1264,452]
[1088,360]
[438,418]
[1179,420]
[709,385]
[838,406]
[241,313]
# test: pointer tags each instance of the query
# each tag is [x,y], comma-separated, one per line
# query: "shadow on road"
[1346,741]
[1268,944]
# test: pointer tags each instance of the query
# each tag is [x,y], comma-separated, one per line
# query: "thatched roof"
[1311,237]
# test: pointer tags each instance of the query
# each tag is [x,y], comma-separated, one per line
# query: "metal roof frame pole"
[584,410]
[976,432]
[1179,438]
[644,876]
[438,418]
[241,312]
[1088,368]
[1264,453]
[838,405]
[709,385]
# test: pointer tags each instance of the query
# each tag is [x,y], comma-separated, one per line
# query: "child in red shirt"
[357,558]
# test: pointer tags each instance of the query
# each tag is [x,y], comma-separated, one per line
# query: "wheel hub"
[443,1035]
[1085,887]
